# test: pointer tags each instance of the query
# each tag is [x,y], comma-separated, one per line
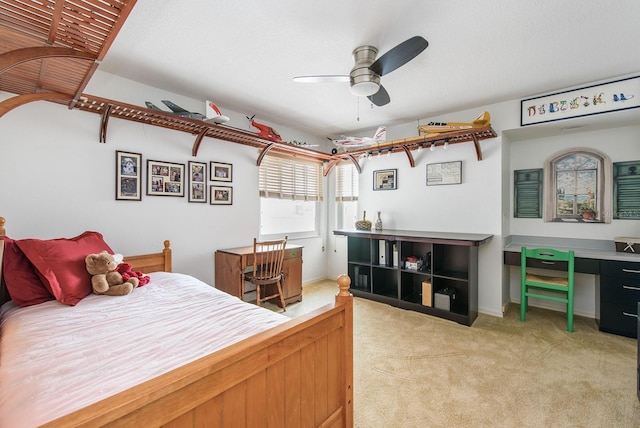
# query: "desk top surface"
[583,248]
[242,251]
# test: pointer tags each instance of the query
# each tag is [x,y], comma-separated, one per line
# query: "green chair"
[532,284]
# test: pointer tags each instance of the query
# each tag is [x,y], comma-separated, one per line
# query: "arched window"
[575,187]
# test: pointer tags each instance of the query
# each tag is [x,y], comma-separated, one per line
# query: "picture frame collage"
[172,179]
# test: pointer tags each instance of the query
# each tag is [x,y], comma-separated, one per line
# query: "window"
[346,194]
[575,190]
[290,197]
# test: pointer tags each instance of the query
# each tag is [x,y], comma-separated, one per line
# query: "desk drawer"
[619,289]
[292,253]
[620,269]
[619,318]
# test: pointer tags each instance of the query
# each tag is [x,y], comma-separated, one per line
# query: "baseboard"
[543,304]
[319,279]
[492,312]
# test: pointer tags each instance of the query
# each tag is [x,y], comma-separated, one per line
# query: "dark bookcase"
[431,272]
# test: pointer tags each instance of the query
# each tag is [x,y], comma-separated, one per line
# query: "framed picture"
[165,178]
[128,170]
[444,173]
[620,94]
[197,182]
[385,179]
[220,195]
[221,171]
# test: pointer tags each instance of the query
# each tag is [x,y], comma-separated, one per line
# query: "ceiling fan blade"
[399,56]
[329,78]
[380,98]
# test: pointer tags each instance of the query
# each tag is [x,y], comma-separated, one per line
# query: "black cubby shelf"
[435,273]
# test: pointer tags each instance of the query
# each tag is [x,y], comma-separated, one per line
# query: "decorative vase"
[363,224]
[379,222]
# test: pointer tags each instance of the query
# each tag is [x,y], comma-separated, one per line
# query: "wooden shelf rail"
[407,145]
[109,108]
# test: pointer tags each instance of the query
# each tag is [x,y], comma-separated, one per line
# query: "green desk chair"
[532,284]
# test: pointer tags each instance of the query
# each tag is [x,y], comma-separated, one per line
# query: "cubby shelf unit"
[448,261]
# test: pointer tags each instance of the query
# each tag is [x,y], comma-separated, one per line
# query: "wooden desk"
[232,263]
[617,276]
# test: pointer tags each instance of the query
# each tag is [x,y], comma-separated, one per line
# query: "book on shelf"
[427,293]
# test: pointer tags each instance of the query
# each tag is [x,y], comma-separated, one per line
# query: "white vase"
[379,222]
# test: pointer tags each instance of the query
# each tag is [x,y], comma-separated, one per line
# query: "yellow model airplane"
[439,127]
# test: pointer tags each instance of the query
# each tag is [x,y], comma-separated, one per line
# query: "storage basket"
[363,224]
[627,245]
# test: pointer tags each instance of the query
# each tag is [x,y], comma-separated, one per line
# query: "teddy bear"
[127,273]
[105,278]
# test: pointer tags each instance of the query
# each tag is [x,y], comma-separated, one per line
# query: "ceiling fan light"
[364,89]
[364,82]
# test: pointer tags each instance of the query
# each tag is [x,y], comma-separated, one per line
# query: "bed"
[174,353]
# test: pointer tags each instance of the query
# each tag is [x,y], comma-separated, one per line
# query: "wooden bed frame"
[298,374]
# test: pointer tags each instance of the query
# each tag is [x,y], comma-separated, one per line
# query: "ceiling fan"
[364,77]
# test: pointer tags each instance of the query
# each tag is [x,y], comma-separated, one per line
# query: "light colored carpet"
[415,370]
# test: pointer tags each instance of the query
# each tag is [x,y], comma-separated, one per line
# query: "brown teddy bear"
[105,278]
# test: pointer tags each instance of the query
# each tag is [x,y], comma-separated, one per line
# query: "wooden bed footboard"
[298,374]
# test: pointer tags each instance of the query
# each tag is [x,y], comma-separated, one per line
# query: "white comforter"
[56,358]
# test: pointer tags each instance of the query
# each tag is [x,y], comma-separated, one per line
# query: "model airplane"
[482,120]
[214,115]
[265,131]
[347,142]
[301,144]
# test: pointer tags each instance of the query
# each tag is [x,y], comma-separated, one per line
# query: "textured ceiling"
[244,54]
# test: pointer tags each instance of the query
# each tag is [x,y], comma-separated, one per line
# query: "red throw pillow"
[60,263]
[23,284]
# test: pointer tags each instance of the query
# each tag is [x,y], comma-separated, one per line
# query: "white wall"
[475,206]
[620,144]
[59,181]
[483,203]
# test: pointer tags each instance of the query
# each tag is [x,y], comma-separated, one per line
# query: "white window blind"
[288,178]
[346,182]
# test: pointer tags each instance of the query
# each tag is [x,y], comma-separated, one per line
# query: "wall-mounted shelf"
[407,145]
[110,108]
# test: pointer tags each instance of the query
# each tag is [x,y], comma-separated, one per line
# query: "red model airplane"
[265,131]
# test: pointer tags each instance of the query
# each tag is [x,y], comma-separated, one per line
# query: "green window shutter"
[626,190]
[527,193]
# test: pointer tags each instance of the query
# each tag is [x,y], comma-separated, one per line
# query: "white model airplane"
[213,113]
[347,142]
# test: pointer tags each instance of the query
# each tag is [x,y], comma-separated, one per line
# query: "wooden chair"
[563,286]
[267,270]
